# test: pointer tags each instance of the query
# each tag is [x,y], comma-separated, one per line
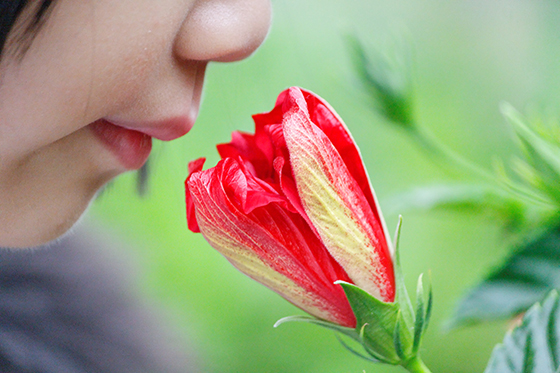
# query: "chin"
[50,219]
[43,195]
[62,231]
[39,231]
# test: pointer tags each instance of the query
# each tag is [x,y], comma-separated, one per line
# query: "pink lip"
[131,147]
[132,142]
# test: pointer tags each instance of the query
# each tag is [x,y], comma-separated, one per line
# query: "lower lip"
[132,148]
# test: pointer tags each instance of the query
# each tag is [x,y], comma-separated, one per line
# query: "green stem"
[447,157]
[452,161]
[415,365]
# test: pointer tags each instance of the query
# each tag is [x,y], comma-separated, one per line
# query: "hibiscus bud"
[292,207]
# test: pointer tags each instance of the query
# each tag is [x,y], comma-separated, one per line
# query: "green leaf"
[525,278]
[532,347]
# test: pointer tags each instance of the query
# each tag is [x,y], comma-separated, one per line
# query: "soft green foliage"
[541,168]
[469,198]
[534,267]
[526,204]
[533,346]
[529,203]
[525,278]
[387,80]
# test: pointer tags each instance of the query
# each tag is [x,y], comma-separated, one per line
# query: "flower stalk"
[416,365]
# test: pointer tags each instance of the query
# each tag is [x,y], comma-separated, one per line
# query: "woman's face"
[100,79]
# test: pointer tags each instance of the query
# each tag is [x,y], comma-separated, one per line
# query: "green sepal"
[419,321]
[375,319]
[397,338]
[428,312]
[423,314]
[349,332]
[355,334]
[358,354]
[401,296]
[375,354]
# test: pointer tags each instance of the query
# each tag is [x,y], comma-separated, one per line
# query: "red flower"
[291,206]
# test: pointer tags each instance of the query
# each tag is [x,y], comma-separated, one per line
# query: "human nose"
[223,30]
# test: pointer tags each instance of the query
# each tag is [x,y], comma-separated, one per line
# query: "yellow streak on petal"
[238,246]
[340,222]
[241,256]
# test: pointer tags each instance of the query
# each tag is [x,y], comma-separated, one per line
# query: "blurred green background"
[469,56]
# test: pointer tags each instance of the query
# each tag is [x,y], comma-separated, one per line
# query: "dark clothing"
[66,308]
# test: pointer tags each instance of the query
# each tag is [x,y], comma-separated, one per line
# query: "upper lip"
[175,126]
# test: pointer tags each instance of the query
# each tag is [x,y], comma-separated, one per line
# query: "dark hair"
[11,10]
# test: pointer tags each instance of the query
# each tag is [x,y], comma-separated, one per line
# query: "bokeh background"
[468,57]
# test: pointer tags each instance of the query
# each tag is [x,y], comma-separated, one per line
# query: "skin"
[132,62]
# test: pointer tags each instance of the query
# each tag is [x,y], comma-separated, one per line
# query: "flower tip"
[506,108]
[280,322]
[294,99]
[196,165]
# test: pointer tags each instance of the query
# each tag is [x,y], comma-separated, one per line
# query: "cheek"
[47,95]
[65,83]
[39,105]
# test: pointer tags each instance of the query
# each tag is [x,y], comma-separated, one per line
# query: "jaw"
[44,194]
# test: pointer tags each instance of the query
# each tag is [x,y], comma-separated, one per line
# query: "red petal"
[325,184]
[269,240]
[194,166]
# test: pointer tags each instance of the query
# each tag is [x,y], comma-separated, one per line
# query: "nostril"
[223,31]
